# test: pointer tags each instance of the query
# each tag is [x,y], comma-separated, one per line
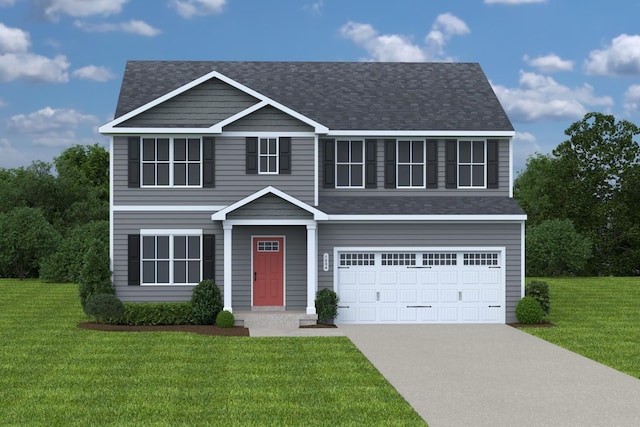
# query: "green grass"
[52,373]
[597,317]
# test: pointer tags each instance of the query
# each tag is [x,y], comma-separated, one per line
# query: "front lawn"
[598,317]
[52,373]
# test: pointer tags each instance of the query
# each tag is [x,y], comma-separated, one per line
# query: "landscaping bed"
[197,329]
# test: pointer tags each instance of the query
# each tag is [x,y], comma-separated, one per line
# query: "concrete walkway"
[496,375]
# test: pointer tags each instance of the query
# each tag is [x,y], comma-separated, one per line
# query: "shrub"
[326,305]
[154,313]
[95,276]
[103,307]
[206,303]
[529,311]
[555,248]
[540,291]
[225,319]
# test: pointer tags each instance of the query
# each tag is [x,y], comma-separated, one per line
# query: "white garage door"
[428,286]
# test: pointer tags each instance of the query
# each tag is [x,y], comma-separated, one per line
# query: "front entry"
[268,271]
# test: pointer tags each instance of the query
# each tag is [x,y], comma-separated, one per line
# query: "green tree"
[95,275]
[555,248]
[26,237]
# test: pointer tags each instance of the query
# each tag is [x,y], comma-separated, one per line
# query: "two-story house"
[390,183]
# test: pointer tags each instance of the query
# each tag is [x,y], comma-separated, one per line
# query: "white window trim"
[276,155]
[350,163]
[412,163]
[471,163]
[171,160]
[171,233]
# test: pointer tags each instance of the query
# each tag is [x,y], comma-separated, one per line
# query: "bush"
[529,311]
[154,313]
[95,276]
[326,305]
[103,307]
[225,319]
[540,291]
[555,248]
[206,303]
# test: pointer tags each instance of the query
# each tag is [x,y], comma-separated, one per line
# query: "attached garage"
[420,285]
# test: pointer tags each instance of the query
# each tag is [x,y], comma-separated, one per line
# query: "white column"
[228,243]
[312,267]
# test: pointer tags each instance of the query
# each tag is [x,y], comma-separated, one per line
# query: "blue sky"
[550,62]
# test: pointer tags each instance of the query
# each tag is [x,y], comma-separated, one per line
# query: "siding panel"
[268,119]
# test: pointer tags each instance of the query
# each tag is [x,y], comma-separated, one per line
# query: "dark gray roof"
[421,205]
[342,95]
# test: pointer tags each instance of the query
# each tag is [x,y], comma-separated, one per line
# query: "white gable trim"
[222,214]
[424,133]
[110,128]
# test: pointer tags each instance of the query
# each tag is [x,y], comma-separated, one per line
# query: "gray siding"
[503,190]
[125,223]
[232,183]
[201,106]
[295,264]
[479,234]
[269,206]
[268,119]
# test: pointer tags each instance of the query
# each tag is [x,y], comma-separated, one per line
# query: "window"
[268,246]
[481,258]
[350,163]
[349,259]
[171,162]
[471,164]
[411,164]
[268,156]
[398,259]
[172,259]
[435,258]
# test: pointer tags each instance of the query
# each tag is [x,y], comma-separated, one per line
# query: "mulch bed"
[536,325]
[197,329]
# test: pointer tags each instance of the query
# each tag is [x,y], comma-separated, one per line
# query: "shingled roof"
[342,95]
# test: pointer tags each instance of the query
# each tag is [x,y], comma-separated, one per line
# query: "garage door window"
[349,259]
[481,258]
[434,259]
[398,259]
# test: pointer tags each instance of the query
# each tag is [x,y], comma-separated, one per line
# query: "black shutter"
[451,163]
[492,164]
[134,162]
[389,163]
[133,257]
[371,163]
[285,156]
[208,256]
[432,163]
[329,170]
[208,162]
[252,155]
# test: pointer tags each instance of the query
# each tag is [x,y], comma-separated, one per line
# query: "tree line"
[53,214]
[583,201]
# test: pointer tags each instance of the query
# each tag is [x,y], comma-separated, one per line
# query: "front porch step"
[274,319]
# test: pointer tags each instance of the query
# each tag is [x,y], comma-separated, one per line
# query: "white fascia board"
[166,208]
[439,218]
[110,128]
[423,133]
[222,214]
[112,131]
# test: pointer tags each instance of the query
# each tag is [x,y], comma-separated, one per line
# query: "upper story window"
[472,163]
[411,164]
[268,155]
[171,162]
[350,163]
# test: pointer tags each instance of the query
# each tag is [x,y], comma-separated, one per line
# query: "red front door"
[268,269]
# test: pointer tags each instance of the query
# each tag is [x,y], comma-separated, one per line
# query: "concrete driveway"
[495,375]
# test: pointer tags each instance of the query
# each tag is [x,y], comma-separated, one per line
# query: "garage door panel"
[470,314]
[448,295]
[448,277]
[367,314]
[367,296]
[470,277]
[388,277]
[490,295]
[408,314]
[429,295]
[388,296]
[429,277]
[428,314]
[408,296]
[470,295]
[347,277]
[448,314]
[408,278]
[366,277]
[388,314]
[348,296]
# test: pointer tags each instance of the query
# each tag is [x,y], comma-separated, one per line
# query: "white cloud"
[6,3]
[396,47]
[51,127]
[29,66]
[133,27]
[317,6]
[549,63]
[191,8]
[76,8]
[632,99]
[91,72]
[542,98]
[10,157]
[525,144]
[13,39]
[513,2]
[621,57]
[2,103]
